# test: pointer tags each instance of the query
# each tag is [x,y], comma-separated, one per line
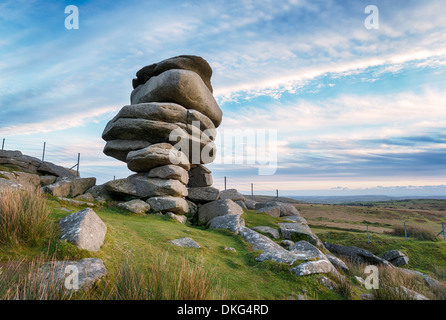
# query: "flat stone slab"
[213,209]
[84,229]
[169,204]
[312,267]
[185,242]
[356,254]
[306,249]
[270,232]
[231,222]
[88,271]
[135,206]
[270,250]
[296,231]
[203,194]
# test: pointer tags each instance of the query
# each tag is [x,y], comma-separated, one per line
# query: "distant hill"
[355,199]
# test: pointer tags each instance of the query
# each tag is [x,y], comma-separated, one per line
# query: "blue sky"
[354,109]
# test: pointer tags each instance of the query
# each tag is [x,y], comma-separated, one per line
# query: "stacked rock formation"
[164,133]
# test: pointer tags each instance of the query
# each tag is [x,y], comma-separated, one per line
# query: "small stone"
[185,242]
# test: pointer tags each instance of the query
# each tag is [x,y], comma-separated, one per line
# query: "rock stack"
[166,135]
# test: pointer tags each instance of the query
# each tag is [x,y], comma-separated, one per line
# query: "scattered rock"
[185,242]
[89,271]
[356,254]
[395,257]
[432,283]
[77,203]
[84,229]
[169,204]
[46,180]
[250,204]
[203,194]
[411,294]
[327,283]
[61,188]
[232,194]
[230,249]
[6,184]
[231,222]
[48,168]
[286,209]
[273,211]
[241,204]
[213,209]
[360,280]
[136,206]
[297,231]
[80,185]
[180,218]
[337,263]
[306,251]
[367,296]
[85,197]
[270,250]
[311,267]
[270,232]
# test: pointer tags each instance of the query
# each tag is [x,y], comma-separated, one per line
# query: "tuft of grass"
[416,232]
[24,217]
[164,279]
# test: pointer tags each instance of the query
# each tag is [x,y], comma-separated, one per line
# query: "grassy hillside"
[137,244]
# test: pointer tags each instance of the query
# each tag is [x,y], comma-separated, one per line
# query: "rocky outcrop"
[296,231]
[164,133]
[356,254]
[231,222]
[286,209]
[269,231]
[395,257]
[217,208]
[84,229]
[135,206]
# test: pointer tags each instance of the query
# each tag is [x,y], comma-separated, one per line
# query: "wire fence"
[91,163]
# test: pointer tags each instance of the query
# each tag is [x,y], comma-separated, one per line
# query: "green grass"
[135,242]
[424,256]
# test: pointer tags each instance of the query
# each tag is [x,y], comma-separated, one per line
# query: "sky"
[355,110]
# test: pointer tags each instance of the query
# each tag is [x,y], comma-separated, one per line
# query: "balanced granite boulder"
[183,87]
[168,130]
[187,62]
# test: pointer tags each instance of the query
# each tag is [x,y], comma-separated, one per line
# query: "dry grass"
[24,280]
[162,280]
[158,280]
[24,217]
[416,232]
